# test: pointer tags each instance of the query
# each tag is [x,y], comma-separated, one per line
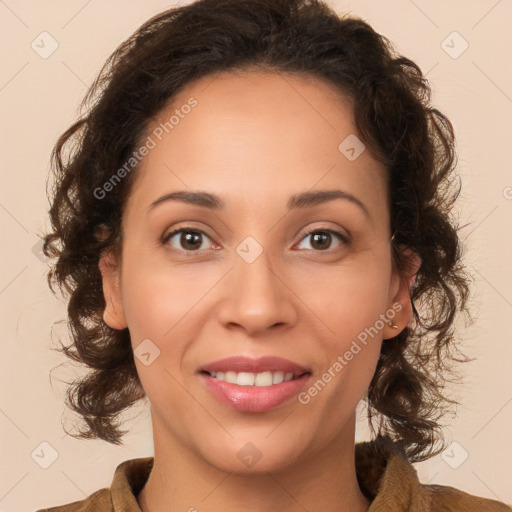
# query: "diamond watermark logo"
[249,454]
[44,455]
[454,45]
[146,352]
[37,251]
[44,45]
[249,249]
[455,455]
[351,147]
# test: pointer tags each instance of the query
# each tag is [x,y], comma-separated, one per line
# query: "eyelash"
[167,237]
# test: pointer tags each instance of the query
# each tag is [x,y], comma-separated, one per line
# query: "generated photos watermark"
[149,144]
[342,360]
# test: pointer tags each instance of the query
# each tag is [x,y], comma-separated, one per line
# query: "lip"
[247,364]
[253,398]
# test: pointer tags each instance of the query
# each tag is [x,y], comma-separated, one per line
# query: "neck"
[323,481]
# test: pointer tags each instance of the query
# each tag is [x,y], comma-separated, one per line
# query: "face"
[249,278]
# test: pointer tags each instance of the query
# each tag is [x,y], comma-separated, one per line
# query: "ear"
[113,315]
[401,295]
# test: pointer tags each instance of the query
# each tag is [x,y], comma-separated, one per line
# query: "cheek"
[350,309]
[150,306]
[156,296]
[348,304]
[348,298]
[156,303]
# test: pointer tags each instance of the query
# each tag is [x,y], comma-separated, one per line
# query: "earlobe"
[113,315]
[401,302]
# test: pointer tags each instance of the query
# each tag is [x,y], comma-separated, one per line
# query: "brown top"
[385,476]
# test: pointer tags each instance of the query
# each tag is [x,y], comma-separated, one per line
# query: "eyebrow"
[302,200]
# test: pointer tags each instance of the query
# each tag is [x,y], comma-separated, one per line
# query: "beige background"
[39,99]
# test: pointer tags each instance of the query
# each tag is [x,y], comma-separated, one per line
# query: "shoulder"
[129,478]
[391,482]
[447,499]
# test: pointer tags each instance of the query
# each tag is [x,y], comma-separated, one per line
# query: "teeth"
[253,379]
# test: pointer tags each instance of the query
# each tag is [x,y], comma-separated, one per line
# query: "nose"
[257,296]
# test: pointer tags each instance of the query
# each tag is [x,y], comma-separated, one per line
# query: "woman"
[249,217]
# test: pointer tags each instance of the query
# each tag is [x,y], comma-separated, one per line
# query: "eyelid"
[343,233]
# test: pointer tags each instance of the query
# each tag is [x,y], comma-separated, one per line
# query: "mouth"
[254,393]
[261,379]
[247,371]
[253,385]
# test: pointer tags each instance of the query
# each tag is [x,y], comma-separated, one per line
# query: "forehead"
[256,136]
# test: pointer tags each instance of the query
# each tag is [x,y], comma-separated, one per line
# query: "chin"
[254,456]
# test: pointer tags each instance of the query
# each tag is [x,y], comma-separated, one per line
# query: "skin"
[254,139]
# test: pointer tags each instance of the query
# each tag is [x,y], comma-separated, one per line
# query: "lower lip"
[254,398]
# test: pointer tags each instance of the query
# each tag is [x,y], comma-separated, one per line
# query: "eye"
[190,239]
[323,237]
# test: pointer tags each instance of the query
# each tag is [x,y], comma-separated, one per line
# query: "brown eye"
[189,239]
[321,239]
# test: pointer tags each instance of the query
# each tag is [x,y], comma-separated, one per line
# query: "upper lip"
[247,364]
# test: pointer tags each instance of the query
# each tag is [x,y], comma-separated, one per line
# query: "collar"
[388,479]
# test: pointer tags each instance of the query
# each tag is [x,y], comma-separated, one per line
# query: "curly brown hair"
[394,118]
